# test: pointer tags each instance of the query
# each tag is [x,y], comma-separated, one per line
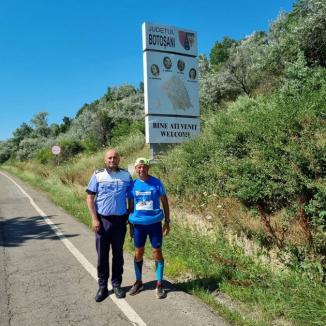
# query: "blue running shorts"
[154,231]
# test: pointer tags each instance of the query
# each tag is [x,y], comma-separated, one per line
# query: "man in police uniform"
[106,201]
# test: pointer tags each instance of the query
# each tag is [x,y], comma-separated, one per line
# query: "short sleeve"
[92,185]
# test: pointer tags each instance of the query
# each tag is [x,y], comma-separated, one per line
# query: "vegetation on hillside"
[268,153]
[117,114]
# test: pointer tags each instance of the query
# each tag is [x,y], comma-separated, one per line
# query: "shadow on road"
[151,286]
[17,230]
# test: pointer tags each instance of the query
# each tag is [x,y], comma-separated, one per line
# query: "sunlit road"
[46,279]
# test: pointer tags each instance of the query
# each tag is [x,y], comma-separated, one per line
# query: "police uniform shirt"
[110,188]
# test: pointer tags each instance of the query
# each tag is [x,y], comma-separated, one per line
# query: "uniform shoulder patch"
[99,170]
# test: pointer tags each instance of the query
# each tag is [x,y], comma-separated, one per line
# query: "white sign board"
[168,130]
[169,39]
[171,84]
[56,150]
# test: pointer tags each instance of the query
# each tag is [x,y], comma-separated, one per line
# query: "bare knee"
[139,254]
[157,254]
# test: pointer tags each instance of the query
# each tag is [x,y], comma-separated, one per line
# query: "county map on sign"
[177,93]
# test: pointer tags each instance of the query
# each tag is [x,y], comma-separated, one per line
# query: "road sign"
[56,150]
[171,90]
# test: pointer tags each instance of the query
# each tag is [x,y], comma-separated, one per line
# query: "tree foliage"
[257,63]
[40,124]
[221,51]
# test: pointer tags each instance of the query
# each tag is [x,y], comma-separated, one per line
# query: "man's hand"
[91,207]
[166,228]
[95,225]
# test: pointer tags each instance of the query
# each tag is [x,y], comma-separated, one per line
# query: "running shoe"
[160,292]
[136,288]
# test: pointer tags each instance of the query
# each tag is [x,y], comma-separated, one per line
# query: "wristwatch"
[167,221]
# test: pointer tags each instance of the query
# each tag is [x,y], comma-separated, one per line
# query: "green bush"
[268,152]
[89,145]
[69,148]
[126,127]
[45,156]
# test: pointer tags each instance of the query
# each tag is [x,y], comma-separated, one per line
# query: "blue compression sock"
[138,265]
[159,270]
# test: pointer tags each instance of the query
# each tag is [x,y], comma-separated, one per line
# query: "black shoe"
[119,292]
[101,294]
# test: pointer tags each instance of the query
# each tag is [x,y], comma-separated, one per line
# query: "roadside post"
[56,150]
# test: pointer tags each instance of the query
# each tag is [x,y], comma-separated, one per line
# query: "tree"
[28,148]
[7,148]
[106,125]
[118,93]
[22,132]
[94,126]
[41,128]
[86,107]
[246,63]
[302,30]
[141,87]
[312,30]
[220,52]
[54,130]
[203,66]
[66,124]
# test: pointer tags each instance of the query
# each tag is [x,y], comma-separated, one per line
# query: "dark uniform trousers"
[112,234]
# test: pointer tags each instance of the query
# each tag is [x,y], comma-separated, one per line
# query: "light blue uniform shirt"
[110,188]
[146,197]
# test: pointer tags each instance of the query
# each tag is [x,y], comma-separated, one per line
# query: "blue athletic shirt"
[146,197]
[110,188]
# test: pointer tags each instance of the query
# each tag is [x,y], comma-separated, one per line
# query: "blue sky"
[56,56]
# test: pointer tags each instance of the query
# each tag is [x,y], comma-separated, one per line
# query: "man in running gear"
[146,215]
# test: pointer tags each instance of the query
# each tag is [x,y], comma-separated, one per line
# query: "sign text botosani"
[171,84]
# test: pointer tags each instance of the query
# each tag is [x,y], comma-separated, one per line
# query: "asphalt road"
[48,275]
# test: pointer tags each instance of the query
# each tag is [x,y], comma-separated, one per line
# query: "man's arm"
[130,205]
[131,209]
[91,207]
[166,210]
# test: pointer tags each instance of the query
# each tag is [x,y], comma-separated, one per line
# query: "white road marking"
[121,303]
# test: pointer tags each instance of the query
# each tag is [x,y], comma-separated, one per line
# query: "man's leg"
[140,234]
[159,264]
[102,248]
[138,262]
[117,239]
[156,237]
